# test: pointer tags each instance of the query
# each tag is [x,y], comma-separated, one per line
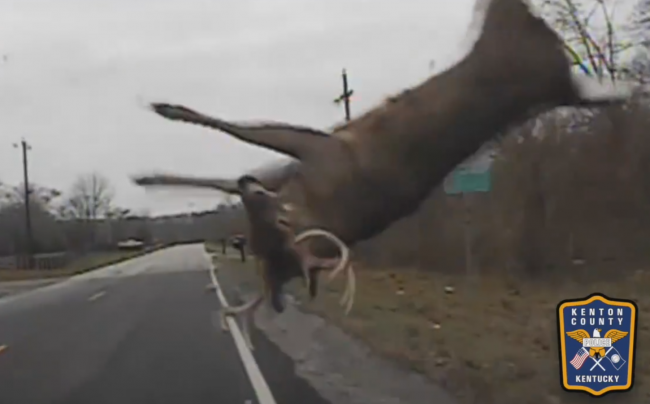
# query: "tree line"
[59,220]
[86,218]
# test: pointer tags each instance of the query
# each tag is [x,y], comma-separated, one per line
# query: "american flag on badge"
[580,358]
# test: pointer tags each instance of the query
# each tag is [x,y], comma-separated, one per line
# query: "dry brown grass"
[8,275]
[494,341]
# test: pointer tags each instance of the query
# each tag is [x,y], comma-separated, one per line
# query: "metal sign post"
[467,233]
[463,182]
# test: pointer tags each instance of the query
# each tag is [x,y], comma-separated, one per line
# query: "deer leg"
[296,141]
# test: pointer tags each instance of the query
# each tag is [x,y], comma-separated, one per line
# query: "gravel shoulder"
[340,367]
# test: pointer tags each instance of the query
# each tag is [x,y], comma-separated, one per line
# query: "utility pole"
[345,97]
[28,216]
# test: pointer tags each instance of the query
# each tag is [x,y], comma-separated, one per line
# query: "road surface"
[139,332]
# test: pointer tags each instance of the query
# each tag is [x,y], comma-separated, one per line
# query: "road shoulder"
[341,368]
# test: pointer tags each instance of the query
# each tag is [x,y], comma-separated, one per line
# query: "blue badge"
[597,344]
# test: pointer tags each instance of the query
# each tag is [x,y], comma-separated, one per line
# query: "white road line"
[260,386]
[96,296]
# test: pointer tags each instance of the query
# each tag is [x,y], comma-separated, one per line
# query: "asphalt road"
[140,332]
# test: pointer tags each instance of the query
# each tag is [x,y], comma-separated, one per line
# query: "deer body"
[382,166]
[378,168]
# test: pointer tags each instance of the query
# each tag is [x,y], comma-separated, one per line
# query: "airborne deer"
[378,168]
[277,249]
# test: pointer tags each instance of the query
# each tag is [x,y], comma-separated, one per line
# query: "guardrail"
[41,261]
[62,259]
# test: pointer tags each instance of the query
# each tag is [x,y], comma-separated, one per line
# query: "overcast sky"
[77,72]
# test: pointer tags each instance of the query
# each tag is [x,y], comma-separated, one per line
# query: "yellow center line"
[96,296]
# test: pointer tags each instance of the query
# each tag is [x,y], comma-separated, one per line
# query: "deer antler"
[246,310]
[347,299]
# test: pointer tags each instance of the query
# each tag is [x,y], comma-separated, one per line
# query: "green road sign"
[463,181]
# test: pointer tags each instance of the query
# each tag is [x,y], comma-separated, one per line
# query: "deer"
[279,256]
[361,176]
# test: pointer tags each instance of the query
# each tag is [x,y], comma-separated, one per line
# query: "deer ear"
[296,141]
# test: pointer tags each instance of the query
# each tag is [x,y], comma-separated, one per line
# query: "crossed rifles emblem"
[597,351]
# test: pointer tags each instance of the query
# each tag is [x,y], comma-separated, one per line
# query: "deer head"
[379,167]
[272,239]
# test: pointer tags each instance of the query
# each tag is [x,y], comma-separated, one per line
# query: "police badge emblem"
[597,341]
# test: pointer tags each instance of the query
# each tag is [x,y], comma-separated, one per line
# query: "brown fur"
[379,167]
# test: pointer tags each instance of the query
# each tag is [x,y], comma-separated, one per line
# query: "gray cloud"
[78,71]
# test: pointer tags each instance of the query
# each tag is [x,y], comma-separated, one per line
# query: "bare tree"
[90,198]
[642,21]
[597,48]
[47,234]
[640,31]
[13,194]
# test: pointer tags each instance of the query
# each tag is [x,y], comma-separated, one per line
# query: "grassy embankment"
[491,342]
